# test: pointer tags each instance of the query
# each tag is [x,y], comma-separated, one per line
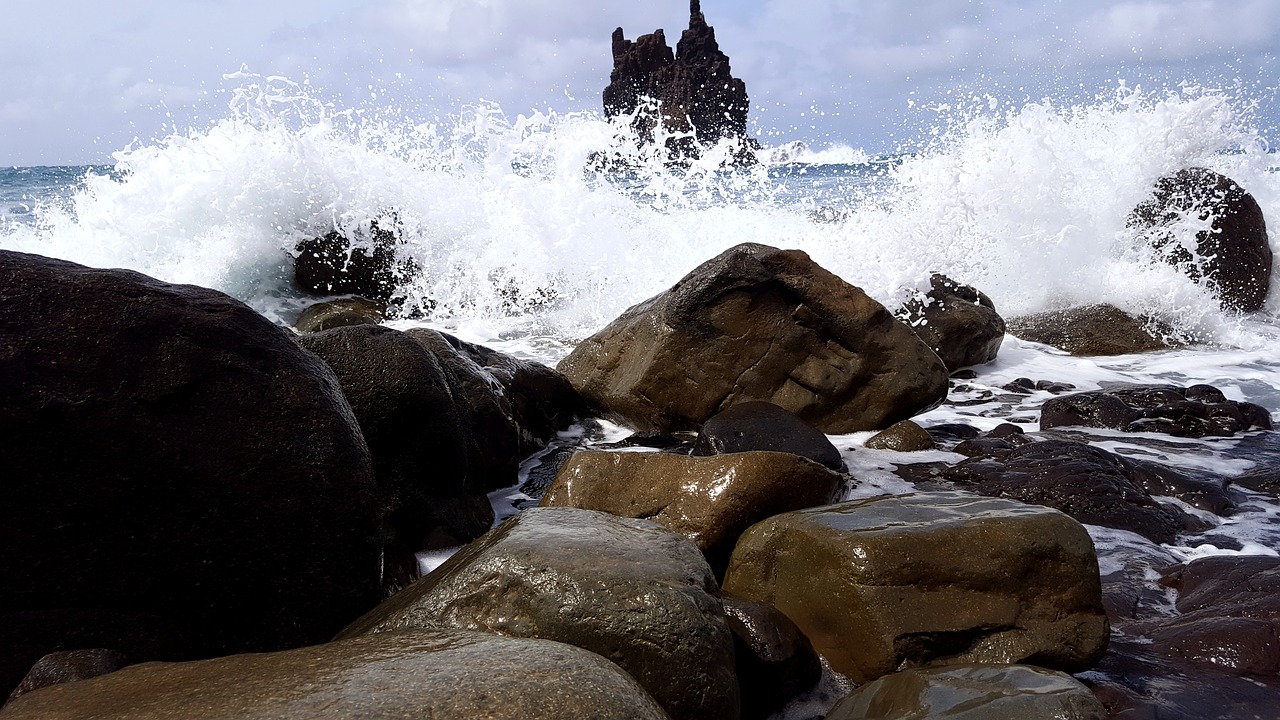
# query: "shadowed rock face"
[693,87]
[433,673]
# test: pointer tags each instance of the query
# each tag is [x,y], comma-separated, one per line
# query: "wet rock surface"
[775,661]
[1088,483]
[758,323]
[902,436]
[1196,411]
[343,312]
[956,321]
[629,590]
[69,666]
[181,479]
[758,425]
[434,672]
[972,692]
[1232,252]
[1092,330]
[710,500]
[365,264]
[929,579]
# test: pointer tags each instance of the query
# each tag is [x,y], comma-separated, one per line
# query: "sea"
[526,248]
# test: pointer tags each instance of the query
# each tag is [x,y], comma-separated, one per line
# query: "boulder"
[1092,330]
[629,590]
[694,89]
[1196,411]
[758,323]
[69,666]
[710,500]
[416,436]
[364,264]
[939,578]
[957,322]
[1088,483]
[759,425]
[181,480]
[902,436]
[343,312]
[431,673]
[972,692]
[775,661]
[1232,255]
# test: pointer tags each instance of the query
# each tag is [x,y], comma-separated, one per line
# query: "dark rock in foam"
[957,322]
[1196,411]
[181,479]
[1092,330]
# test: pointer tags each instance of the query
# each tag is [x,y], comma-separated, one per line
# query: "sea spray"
[516,234]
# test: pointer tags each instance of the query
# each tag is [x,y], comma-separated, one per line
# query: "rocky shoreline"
[210,516]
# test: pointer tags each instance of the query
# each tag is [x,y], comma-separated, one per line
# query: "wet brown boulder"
[180,479]
[929,579]
[1092,330]
[629,590]
[710,500]
[775,660]
[432,673]
[1088,483]
[759,425]
[972,692]
[1232,252]
[416,437]
[758,323]
[340,313]
[957,322]
[1195,411]
[903,436]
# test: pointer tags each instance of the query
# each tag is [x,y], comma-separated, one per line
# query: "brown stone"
[758,323]
[1092,330]
[343,312]
[432,673]
[903,436]
[972,692]
[627,589]
[929,579]
[957,321]
[710,500]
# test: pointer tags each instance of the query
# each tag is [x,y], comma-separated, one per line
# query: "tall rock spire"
[693,87]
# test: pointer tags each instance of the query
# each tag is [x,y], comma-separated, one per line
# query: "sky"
[80,79]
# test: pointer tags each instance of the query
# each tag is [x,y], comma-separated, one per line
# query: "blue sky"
[81,79]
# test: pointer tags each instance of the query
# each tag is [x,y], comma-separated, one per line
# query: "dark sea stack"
[180,479]
[630,590]
[400,396]
[758,323]
[694,87]
[957,322]
[1233,256]
[431,673]
[1092,330]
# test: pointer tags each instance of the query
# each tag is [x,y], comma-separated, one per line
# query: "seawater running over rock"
[518,248]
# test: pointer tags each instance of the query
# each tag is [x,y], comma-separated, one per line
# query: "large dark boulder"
[431,673]
[1195,411]
[1232,254]
[629,590]
[1088,483]
[416,437]
[957,322]
[1092,330]
[758,323]
[694,89]
[180,479]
